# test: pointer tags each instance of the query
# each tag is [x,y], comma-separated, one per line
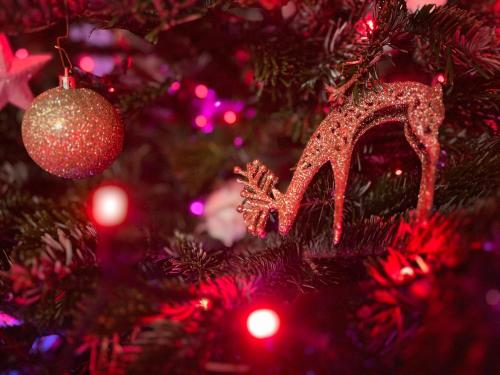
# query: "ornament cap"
[67,81]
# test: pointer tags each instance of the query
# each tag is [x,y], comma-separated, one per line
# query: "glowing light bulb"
[87,64]
[204,303]
[22,53]
[174,86]
[229,117]
[238,142]
[370,24]
[398,172]
[197,208]
[263,323]
[109,205]
[200,121]
[201,91]
[407,271]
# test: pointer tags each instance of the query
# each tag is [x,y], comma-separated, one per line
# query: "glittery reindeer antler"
[257,193]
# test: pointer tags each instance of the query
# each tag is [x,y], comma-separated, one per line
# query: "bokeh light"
[238,141]
[46,343]
[200,121]
[174,87]
[230,117]
[22,53]
[7,320]
[109,205]
[87,64]
[440,78]
[407,271]
[197,208]
[204,303]
[263,323]
[201,91]
[371,25]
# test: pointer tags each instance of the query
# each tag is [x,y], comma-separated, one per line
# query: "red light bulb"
[22,53]
[109,205]
[87,64]
[200,121]
[230,117]
[201,91]
[263,323]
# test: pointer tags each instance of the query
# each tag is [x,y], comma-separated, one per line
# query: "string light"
[200,121]
[197,208]
[230,117]
[22,53]
[370,24]
[238,141]
[8,321]
[398,172]
[248,76]
[201,91]
[45,343]
[87,64]
[263,323]
[174,87]
[407,271]
[209,128]
[109,205]
[204,303]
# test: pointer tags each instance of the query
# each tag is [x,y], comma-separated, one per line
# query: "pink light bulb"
[230,117]
[87,64]
[197,208]
[200,121]
[201,91]
[22,53]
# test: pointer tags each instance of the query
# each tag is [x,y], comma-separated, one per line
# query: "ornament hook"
[63,55]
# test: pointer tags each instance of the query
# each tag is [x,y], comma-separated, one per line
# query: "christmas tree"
[122,248]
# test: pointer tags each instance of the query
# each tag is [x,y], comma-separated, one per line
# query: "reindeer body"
[419,107]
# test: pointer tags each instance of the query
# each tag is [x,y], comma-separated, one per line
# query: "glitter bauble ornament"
[72,132]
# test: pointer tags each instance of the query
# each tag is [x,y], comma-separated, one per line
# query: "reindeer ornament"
[419,107]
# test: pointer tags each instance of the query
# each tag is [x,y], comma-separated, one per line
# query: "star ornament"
[15,74]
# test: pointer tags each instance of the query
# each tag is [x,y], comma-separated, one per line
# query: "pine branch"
[143,17]
[189,259]
[462,43]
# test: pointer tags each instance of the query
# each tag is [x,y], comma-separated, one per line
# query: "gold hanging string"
[62,52]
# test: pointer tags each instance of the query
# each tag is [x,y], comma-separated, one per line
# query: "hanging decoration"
[72,132]
[15,74]
[419,107]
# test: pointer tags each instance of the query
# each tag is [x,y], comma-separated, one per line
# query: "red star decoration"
[15,74]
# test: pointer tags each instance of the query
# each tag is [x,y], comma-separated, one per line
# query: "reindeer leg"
[427,148]
[340,167]
[288,204]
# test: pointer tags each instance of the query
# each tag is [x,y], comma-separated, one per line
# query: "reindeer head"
[258,192]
